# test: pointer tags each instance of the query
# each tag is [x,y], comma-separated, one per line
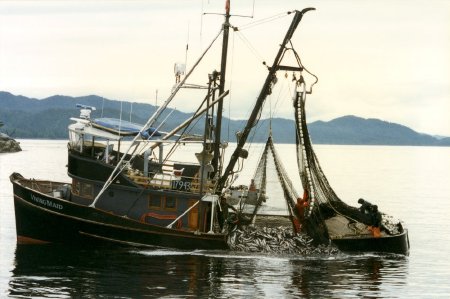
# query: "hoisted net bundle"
[323,201]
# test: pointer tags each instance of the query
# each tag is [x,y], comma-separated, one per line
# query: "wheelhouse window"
[154,202]
[82,189]
[76,187]
[75,139]
[87,191]
[170,203]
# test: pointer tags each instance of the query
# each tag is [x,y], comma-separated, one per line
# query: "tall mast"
[223,66]
[253,119]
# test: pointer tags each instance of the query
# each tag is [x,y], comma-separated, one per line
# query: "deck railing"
[169,181]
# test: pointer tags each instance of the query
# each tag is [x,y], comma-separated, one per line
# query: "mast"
[253,119]
[119,167]
[223,66]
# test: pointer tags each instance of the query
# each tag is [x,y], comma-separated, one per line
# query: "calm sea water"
[410,183]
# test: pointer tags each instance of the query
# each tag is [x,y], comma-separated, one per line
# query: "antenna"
[253,9]
[227,11]
[187,47]
[85,111]
[131,109]
[103,104]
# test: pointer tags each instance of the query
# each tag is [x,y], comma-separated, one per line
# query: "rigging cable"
[250,47]
[255,52]
[274,81]
[283,98]
[147,141]
[301,65]
[131,109]
[120,118]
[187,48]
[253,8]
[270,114]
[201,25]
[230,84]
[265,20]
[103,104]
[161,108]
[172,149]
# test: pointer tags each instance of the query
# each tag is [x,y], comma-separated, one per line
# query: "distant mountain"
[356,130]
[49,118]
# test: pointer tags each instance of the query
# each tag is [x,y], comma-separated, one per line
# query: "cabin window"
[154,202]
[76,187]
[87,191]
[170,203]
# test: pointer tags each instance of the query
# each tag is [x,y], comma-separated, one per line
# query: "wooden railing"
[169,181]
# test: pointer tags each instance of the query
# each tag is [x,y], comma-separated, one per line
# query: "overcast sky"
[374,59]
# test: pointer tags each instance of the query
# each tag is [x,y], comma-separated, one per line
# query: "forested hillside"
[48,118]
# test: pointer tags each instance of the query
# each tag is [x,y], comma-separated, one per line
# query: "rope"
[265,20]
[176,144]
[250,47]
[230,89]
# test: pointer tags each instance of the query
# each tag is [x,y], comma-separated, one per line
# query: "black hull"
[398,244]
[41,218]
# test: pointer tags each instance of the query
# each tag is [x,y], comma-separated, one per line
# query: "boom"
[261,98]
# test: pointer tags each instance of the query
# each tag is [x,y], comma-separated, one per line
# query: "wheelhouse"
[148,187]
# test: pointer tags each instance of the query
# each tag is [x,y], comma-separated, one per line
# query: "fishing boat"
[139,196]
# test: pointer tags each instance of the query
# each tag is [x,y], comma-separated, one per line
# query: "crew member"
[376,221]
[300,206]
[365,206]
[366,211]
[252,185]
[371,217]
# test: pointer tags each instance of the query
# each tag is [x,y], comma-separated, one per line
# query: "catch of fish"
[278,240]
[391,225]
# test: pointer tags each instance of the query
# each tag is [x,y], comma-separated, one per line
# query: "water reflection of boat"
[140,196]
[84,272]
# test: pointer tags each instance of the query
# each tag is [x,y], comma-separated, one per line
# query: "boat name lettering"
[46,202]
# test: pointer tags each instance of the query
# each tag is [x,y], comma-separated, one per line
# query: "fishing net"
[259,180]
[319,201]
[323,202]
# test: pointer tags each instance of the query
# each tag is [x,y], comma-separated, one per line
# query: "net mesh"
[260,178]
[323,202]
[320,200]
